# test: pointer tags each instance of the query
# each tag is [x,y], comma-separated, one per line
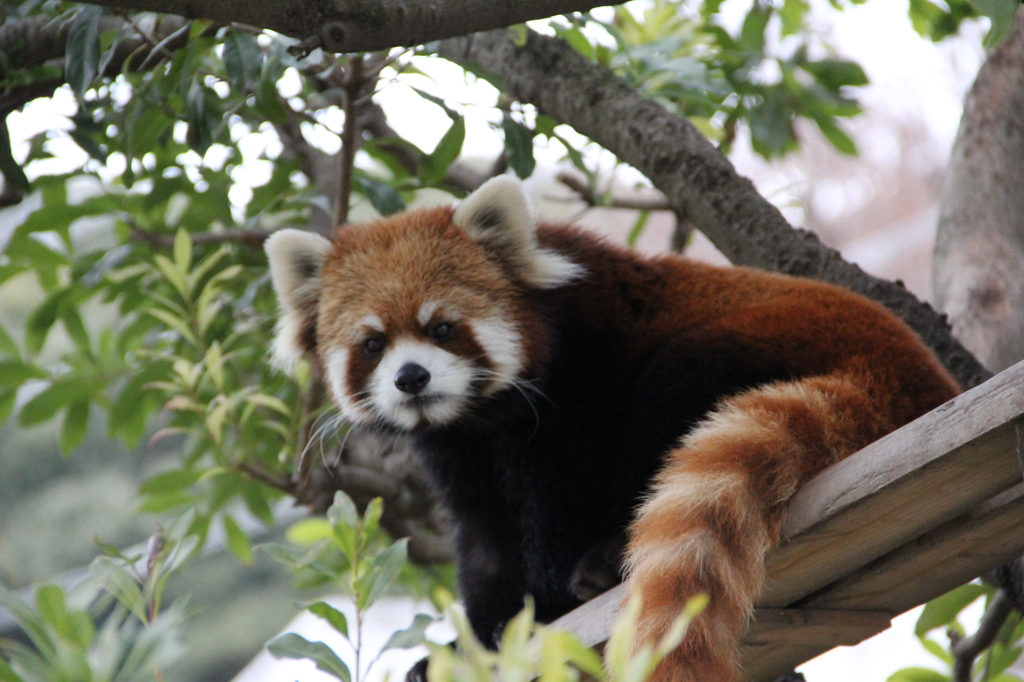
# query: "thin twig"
[966,649]
[581,188]
[251,238]
[354,82]
[282,484]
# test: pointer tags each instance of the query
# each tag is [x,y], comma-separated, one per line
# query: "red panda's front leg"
[718,503]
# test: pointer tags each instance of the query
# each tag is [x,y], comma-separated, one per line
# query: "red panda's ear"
[498,217]
[296,258]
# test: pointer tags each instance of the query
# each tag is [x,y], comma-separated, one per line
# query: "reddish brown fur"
[871,376]
[864,374]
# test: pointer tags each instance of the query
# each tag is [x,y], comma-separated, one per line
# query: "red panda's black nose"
[412,378]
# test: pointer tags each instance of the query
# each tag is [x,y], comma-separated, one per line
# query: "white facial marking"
[427,311]
[373,322]
[440,401]
[503,346]
[337,376]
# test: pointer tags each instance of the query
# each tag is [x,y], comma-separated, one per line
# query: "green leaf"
[792,15]
[144,131]
[771,126]
[82,54]
[200,118]
[15,372]
[41,320]
[839,139]
[159,503]
[935,649]
[51,607]
[414,635]
[942,611]
[170,481]
[308,531]
[121,584]
[12,172]
[76,422]
[1001,13]
[64,391]
[29,621]
[268,100]
[243,59]
[752,34]
[836,73]
[6,674]
[343,510]
[255,495]
[182,251]
[383,571]
[74,326]
[917,675]
[8,397]
[452,114]
[332,615]
[433,166]
[383,196]
[295,646]
[577,41]
[238,542]
[518,146]
[638,229]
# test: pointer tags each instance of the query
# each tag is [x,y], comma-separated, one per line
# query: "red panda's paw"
[599,570]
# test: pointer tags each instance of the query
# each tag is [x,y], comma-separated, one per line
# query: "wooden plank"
[824,627]
[776,635]
[1019,426]
[923,569]
[931,470]
[592,622]
[936,562]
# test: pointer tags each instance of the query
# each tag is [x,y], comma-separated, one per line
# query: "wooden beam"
[592,622]
[931,470]
[923,569]
[936,562]
[1019,426]
[820,627]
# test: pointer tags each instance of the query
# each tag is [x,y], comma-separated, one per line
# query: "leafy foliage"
[946,612]
[136,640]
[527,650]
[349,551]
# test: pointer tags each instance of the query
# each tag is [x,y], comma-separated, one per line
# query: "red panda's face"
[415,321]
[417,317]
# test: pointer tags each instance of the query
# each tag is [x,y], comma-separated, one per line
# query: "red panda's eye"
[442,332]
[373,346]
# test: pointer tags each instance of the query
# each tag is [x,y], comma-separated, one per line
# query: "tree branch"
[251,238]
[701,184]
[361,26]
[966,649]
[353,86]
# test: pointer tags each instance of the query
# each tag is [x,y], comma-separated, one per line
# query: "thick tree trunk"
[979,253]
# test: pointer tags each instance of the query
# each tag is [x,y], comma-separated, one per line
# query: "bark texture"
[700,182]
[365,25]
[979,252]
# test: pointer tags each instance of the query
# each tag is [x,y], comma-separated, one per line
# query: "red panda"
[583,410]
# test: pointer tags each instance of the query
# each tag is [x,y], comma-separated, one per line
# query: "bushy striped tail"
[717,507]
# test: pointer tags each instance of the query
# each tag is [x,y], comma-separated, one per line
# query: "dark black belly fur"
[532,488]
